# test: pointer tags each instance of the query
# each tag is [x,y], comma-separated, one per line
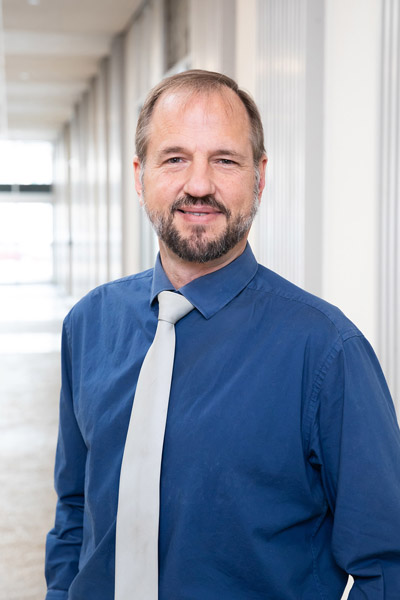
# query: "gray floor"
[30,320]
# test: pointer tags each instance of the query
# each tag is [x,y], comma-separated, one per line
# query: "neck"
[181,272]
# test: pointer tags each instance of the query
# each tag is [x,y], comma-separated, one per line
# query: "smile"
[197,214]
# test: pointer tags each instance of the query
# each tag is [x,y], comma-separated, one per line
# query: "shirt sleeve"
[359,444]
[64,541]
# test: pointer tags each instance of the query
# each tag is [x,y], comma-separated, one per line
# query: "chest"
[236,402]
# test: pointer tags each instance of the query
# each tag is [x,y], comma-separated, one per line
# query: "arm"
[360,449]
[65,539]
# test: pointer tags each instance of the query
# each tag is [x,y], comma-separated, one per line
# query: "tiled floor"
[30,321]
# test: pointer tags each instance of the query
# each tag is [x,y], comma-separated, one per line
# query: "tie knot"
[172,307]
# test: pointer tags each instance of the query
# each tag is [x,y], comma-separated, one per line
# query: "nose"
[199,180]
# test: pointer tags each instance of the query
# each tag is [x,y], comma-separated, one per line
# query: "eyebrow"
[181,149]
[172,150]
[226,152]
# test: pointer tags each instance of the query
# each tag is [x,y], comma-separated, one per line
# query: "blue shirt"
[281,463]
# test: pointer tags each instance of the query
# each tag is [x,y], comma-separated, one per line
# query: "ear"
[138,183]
[261,166]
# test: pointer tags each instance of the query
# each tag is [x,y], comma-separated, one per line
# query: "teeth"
[196,214]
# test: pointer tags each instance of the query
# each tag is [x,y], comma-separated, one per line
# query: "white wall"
[350,246]
[114,122]
[280,93]
[62,212]
[213,33]
[388,195]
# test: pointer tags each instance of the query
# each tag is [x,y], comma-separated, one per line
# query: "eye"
[226,161]
[174,160]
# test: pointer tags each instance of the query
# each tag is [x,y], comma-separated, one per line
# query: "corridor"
[74,75]
[30,323]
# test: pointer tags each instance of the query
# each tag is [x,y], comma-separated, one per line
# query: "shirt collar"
[211,292]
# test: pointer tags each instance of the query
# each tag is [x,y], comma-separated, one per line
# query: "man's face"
[199,185]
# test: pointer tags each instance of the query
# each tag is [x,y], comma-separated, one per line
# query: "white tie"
[136,552]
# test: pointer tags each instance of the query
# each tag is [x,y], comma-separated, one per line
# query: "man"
[281,458]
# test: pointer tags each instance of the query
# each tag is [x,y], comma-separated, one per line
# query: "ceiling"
[49,51]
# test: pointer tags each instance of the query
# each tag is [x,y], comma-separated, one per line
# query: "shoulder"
[113,296]
[301,306]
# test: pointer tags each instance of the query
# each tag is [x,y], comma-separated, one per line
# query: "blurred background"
[73,76]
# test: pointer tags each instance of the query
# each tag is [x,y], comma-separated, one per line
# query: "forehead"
[219,114]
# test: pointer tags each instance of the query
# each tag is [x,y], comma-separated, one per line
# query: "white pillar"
[350,262]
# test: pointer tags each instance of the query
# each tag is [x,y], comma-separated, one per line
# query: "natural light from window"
[26,214]
[26,163]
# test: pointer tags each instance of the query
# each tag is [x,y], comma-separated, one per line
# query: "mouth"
[199,208]
[198,215]
[196,212]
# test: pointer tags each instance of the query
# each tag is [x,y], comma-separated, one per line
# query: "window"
[26,212]
[26,163]
[26,237]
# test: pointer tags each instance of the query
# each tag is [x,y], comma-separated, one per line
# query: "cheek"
[239,196]
[163,191]
[235,185]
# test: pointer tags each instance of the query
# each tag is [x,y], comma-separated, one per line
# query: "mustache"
[188,200]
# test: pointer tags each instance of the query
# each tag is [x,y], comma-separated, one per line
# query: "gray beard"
[196,247]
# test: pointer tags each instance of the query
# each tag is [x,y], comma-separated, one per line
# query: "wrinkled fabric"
[281,460]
